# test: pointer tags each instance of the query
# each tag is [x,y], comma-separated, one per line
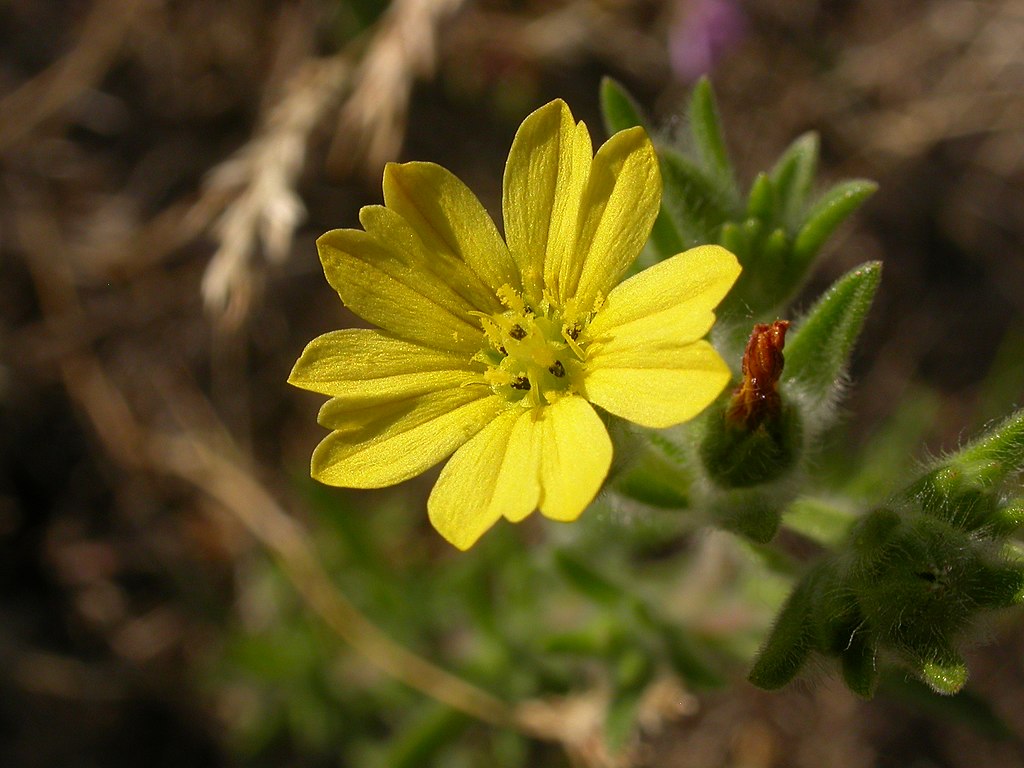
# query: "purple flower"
[701,31]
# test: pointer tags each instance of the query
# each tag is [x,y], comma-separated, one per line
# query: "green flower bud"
[756,437]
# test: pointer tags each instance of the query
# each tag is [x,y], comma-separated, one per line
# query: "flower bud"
[756,436]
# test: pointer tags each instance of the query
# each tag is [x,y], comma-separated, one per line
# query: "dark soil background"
[116,575]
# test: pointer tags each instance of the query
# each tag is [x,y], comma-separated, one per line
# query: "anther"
[517,332]
[573,331]
[520,382]
[557,370]
[502,350]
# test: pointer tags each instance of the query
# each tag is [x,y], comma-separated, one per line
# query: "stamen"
[571,341]
[511,298]
[520,382]
[557,370]
[517,332]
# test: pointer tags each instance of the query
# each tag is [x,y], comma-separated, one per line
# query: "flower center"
[531,351]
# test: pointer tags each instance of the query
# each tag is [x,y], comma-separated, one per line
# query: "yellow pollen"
[531,353]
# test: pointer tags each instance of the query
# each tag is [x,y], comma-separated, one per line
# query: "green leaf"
[687,661]
[620,722]
[761,203]
[945,673]
[749,512]
[1010,518]
[818,350]
[860,669]
[431,730]
[998,586]
[655,480]
[789,644]
[693,200]
[706,128]
[822,520]
[793,175]
[586,580]
[827,213]
[619,109]
[665,236]
[993,457]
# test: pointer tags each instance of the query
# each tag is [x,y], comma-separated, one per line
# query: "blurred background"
[165,167]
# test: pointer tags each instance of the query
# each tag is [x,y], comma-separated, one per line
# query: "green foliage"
[905,583]
[913,577]
[776,229]
[886,567]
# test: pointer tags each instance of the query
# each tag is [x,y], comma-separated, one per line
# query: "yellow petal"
[576,453]
[442,271]
[359,364]
[654,384]
[449,219]
[545,175]
[674,297]
[383,444]
[617,211]
[556,456]
[379,287]
[484,480]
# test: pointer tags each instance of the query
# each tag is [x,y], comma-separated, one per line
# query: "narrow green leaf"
[761,202]
[998,586]
[696,204]
[586,580]
[860,669]
[776,245]
[620,722]
[666,240]
[706,128]
[734,239]
[996,455]
[827,213]
[619,109]
[1010,518]
[793,175]
[429,732]
[750,512]
[789,644]
[688,662]
[822,520]
[818,350]
[655,480]
[594,641]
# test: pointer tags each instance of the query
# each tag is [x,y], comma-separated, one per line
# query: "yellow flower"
[495,352]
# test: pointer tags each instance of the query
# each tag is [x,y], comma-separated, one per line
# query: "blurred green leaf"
[694,201]
[793,175]
[433,727]
[761,202]
[688,661]
[994,456]
[827,213]
[790,641]
[826,521]
[706,128]
[586,580]
[859,663]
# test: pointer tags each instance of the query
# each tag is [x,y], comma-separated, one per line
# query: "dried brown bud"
[757,398]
